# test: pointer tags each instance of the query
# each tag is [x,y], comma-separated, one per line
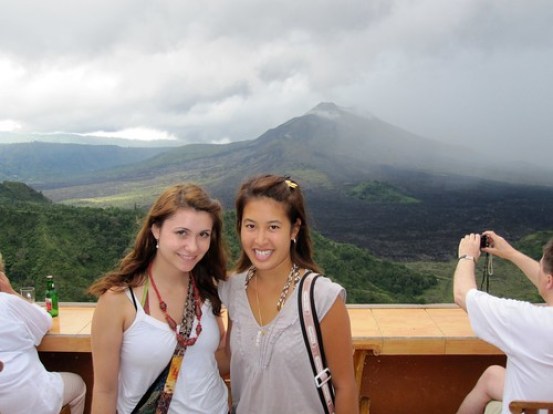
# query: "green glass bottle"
[51,297]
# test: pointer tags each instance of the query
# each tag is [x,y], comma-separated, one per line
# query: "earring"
[157,244]
[294,240]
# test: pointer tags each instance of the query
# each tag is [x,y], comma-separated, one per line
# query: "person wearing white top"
[25,384]
[522,330]
[163,292]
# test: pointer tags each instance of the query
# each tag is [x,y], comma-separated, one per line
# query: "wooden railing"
[380,329]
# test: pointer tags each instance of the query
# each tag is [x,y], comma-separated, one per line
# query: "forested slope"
[79,244]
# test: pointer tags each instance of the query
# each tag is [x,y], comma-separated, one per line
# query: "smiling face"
[266,234]
[183,238]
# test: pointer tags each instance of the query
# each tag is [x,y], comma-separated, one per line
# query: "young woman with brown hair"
[160,307]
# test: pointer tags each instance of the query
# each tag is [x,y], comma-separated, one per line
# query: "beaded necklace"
[292,280]
[193,296]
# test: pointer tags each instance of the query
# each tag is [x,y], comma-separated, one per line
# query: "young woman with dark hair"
[269,363]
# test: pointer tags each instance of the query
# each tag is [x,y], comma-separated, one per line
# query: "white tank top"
[147,348]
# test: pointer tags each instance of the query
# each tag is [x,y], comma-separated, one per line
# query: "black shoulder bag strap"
[313,341]
[149,399]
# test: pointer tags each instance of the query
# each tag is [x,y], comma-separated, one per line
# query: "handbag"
[312,337]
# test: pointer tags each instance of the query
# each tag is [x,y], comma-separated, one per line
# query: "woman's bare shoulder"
[113,300]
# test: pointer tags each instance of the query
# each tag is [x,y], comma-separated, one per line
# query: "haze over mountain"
[342,144]
[12,137]
[40,162]
[341,159]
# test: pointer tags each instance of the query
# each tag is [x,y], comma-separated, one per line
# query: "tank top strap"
[132,297]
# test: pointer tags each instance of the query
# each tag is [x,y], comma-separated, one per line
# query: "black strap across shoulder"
[324,385]
[133,299]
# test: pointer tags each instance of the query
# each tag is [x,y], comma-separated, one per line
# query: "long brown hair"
[288,193]
[211,268]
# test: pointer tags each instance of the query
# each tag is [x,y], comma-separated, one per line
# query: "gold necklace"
[261,331]
[291,281]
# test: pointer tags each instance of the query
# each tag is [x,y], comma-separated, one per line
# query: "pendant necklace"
[291,281]
[261,331]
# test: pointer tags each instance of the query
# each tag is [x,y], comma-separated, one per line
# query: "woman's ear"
[155,231]
[549,281]
[295,229]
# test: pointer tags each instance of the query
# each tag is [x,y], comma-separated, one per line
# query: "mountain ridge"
[330,151]
[353,145]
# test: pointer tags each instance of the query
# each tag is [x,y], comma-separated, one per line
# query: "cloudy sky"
[476,72]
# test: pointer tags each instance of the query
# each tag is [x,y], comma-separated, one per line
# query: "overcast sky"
[476,72]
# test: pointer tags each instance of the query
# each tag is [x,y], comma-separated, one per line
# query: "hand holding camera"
[484,241]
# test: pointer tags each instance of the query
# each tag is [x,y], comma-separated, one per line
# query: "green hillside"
[15,192]
[79,244]
[379,192]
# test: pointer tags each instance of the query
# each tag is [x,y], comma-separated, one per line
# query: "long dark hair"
[288,193]
[131,271]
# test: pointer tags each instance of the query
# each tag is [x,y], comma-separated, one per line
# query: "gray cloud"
[476,72]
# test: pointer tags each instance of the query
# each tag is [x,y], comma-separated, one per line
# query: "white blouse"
[272,373]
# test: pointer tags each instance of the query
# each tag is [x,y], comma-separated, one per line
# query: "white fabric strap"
[323,375]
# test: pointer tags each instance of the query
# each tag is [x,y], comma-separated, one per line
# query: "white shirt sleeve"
[35,319]
[501,321]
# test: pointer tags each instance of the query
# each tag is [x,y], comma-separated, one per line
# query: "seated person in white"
[522,330]
[25,384]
